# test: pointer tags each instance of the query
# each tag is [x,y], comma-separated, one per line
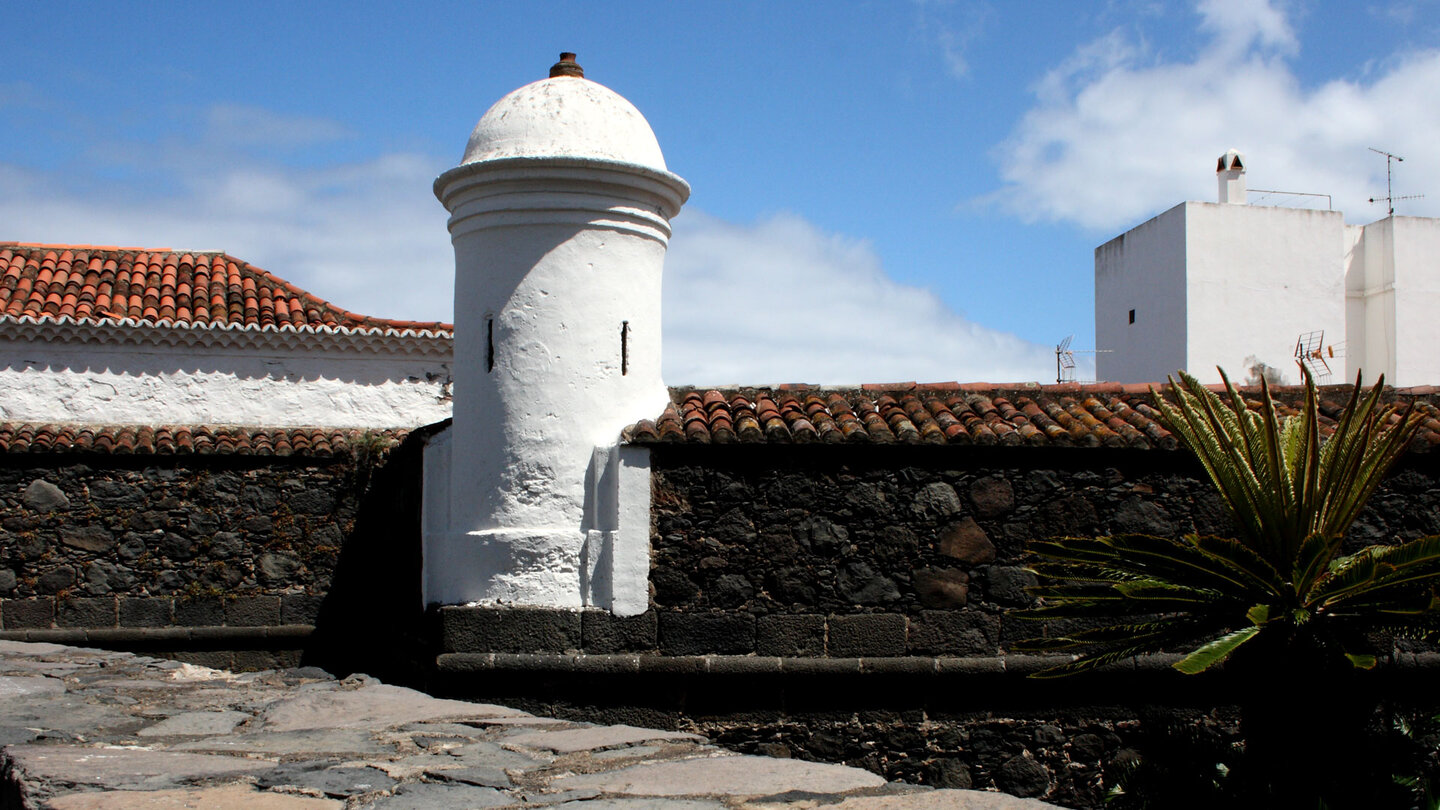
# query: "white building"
[1240,286]
[133,336]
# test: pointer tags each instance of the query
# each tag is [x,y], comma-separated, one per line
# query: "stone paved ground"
[94,730]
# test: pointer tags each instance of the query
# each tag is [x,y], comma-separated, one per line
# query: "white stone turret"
[1230,174]
[560,216]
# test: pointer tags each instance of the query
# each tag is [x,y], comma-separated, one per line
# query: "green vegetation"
[1293,616]
[368,450]
[1293,495]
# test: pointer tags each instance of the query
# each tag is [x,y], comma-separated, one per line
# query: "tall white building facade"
[1242,286]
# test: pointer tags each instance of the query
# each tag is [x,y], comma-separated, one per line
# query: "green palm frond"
[1349,575]
[1293,491]
[1160,632]
[1105,645]
[1312,561]
[1180,561]
[1167,592]
[1091,662]
[1280,480]
[1416,552]
[1215,651]
[1079,572]
[1256,571]
[1116,606]
[1173,626]
[1424,625]
[1405,581]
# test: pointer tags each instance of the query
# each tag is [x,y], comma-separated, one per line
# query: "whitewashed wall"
[1369,309]
[1144,270]
[1258,277]
[1392,295]
[157,384]
[1218,285]
[1416,254]
[1370,303]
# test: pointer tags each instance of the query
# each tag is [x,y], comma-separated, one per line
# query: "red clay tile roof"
[160,286]
[947,414]
[198,440]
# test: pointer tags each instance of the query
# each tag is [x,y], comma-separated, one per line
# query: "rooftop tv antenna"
[1390,197]
[1065,359]
[1313,353]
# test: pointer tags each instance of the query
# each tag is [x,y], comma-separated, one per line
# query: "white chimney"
[1230,172]
[560,216]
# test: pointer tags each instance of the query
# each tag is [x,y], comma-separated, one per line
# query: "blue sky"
[882,191]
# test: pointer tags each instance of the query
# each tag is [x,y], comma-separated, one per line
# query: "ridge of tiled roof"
[200,440]
[954,414]
[97,284]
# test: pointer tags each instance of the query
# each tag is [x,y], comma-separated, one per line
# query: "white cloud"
[241,124]
[368,236]
[782,301]
[777,301]
[1118,135]
[1237,24]
[1408,13]
[951,30]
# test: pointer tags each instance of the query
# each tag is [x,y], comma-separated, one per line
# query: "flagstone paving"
[95,730]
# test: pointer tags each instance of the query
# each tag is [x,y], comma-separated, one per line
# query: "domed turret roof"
[565,115]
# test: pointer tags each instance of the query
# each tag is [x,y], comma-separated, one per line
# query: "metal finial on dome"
[567,67]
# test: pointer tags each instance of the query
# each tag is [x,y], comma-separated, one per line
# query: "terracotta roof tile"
[158,286]
[949,414]
[202,440]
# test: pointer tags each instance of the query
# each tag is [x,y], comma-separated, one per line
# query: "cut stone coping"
[1011,665]
[122,636]
[1004,666]
[123,731]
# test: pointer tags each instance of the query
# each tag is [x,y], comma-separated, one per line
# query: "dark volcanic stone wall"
[786,531]
[76,531]
[170,543]
[914,551]
[142,547]
[1070,758]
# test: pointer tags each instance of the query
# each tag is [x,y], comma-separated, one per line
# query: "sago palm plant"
[1280,596]
[1293,493]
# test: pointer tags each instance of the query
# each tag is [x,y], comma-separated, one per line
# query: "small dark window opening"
[489,345]
[1132,316]
[624,348]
